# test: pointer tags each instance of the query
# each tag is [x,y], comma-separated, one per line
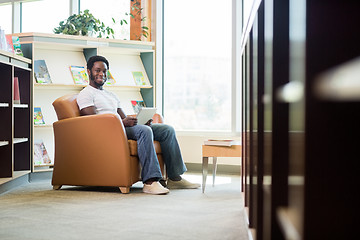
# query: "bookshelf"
[61,51]
[15,127]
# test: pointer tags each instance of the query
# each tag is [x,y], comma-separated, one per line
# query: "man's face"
[98,74]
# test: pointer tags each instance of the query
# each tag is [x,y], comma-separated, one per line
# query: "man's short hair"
[90,62]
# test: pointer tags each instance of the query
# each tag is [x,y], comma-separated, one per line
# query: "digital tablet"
[145,114]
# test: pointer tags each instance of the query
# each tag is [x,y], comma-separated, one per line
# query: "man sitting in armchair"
[93,99]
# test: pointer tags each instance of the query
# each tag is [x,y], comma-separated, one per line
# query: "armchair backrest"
[66,107]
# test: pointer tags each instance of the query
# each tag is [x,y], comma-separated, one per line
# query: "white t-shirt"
[103,100]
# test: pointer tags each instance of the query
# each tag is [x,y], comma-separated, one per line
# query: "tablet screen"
[145,114]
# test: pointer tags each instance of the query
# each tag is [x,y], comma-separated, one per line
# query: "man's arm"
[88,111]
[127,120]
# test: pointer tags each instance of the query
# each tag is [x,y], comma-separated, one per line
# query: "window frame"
[235,71]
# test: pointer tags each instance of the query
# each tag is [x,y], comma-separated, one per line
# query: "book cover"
[41,156]
[9,41]
[137,105]
[3,44]
[220,142]
[110,79]
[140,79]
[17,46]
[79,74]
[41,72]
[38,116]
[16,91]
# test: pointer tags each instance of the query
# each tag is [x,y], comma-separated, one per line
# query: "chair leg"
[124,189]
[57,187]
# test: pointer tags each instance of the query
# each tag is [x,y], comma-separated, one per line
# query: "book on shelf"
[38,116]
[41,156]
[41,72]
[110,80]
[17,46]
[9,41]
[79,74]
[137,105]
[220,142]
[3,44]
[16,91]
[139,79]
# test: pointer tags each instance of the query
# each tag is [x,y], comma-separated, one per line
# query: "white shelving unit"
[61,51]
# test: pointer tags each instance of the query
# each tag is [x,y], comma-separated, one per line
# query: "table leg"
[214,169]
[204,172]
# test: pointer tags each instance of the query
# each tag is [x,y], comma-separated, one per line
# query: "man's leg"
[146,151]
[170,149]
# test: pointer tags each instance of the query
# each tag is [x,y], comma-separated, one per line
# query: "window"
[43,16]
[6,18]
[247,5]
[197,64]
[111,9]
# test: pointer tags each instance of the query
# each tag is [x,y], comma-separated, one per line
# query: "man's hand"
[129,121]
[149,122]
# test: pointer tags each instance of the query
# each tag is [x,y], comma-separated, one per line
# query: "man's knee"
[146,130]
[169,130]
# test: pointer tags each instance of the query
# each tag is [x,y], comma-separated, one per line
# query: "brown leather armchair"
[94,150]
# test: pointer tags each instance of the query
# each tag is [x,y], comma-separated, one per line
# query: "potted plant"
[84,24]
[136,14]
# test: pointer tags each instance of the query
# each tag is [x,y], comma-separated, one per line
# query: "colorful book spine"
[16,91]
[41,156]
[38,116]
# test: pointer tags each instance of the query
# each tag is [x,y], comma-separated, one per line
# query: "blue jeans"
[165,134]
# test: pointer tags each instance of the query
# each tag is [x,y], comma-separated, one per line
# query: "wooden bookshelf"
[15,121]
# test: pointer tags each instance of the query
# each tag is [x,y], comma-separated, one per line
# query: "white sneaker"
[155,188]
[182,184]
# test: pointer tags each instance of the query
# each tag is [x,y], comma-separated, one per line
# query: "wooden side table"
[215,152]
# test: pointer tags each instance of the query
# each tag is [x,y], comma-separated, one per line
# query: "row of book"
[80,76]
[39,117]
[10,43]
